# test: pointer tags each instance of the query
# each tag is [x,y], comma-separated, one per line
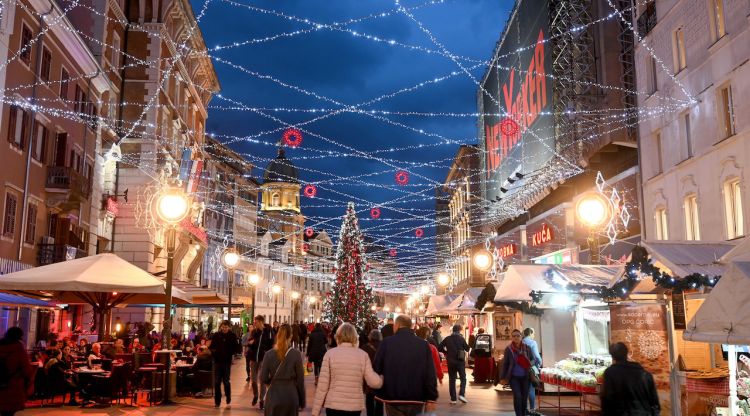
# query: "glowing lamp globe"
[312,299]
[387,308]
[276,289]
[373,307]
[443,279]
[253,279]
[230,259]
[295,295]
[398,309]
[592,210]
[483,260]
[172,206]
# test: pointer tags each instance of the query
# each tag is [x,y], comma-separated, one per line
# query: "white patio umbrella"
[103,281]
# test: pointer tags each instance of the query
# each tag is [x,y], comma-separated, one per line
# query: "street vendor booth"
[571,329]
[438,305]
[724,319]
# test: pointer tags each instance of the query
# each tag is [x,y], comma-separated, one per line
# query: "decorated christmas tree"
[350,299]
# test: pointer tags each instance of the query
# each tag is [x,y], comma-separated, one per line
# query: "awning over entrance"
[687,257]
[464,303]
[200,296]
[521,279]
[438,304]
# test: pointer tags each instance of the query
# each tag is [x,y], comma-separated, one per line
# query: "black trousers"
[334,412]
[373,407]
[222,371]
[317,365]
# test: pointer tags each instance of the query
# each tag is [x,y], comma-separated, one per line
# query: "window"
[733,209]
[9,220]
[31,212]
[660,217]
[652,79]
[657,144]
[726,111]
[679,50]
[46,65]
[18,123]
[692,227]
[717,19]
[64,78]
[25,47]
[688,137]
[114,58]
[39,152]
[275,200]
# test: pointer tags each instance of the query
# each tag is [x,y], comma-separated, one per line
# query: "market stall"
[438,304]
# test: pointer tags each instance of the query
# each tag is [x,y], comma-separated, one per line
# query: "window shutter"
[12,123]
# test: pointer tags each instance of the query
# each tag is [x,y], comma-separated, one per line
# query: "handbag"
[275,374]
[534,376]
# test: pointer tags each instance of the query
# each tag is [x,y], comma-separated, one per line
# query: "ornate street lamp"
[276,290]
[171,206]
[230,259]
[295,298]
[443,279]
[252,281]
[593,211]
[483,260]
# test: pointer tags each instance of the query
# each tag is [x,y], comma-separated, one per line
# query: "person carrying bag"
[282,371]
[516,371]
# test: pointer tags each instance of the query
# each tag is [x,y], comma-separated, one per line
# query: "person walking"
[628,388]
[316,349]
[515,371]
[454,347]
[16,373]
[282,371]
[437,337]
[260,342]
[344,368]
[303,336]
[245,342]
[387,329]
[424,333]
[223,347]
[405,362]
[536,364]
[374,338]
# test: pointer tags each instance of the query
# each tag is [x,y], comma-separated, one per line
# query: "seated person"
[136,346]
[57,377]
[84,349]
[203,362]
[96,353]
[119,346]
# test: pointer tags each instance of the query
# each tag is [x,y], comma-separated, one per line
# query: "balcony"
[65,179]
[647,20]
[55,253]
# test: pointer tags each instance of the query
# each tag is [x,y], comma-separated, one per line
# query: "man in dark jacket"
[405,362]
[628,389]
[223,347]
[316,349]
[436,336]
[302,336]
[261,340]
[388,329]
[455,347]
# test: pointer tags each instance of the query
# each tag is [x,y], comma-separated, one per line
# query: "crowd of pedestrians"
[390,371]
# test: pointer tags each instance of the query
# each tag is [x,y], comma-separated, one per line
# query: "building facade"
[694,155]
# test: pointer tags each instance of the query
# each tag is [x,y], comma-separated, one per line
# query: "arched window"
[275,199]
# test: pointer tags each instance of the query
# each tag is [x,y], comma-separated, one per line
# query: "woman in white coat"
[344,368]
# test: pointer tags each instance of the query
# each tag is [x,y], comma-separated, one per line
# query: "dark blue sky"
[350,70]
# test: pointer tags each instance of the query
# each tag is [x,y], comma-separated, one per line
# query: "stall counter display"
[579,372]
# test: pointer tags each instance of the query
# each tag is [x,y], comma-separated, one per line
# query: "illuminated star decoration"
[402,177]
[292,137]
[310,191]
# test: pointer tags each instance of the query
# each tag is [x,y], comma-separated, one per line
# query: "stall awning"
[464,303]
[200,296]
[438,304]
[724,317]
[522,279]
[684,258]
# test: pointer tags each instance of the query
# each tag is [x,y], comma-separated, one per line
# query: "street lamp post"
[312,300]
[252,280]
[230,259]
[276,289]
[593,211]
[172,206]
[295,298]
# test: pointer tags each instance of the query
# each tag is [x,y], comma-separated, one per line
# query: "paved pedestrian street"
[484,399]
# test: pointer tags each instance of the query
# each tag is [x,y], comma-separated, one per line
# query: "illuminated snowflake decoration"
[619,214]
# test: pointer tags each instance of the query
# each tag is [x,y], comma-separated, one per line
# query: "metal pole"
[252,308]
[230,277]
[166,333]
[275,308]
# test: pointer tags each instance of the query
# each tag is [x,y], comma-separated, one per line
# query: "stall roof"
[200,296]
[464,303]
[687,257]
[521,279]
[724,316]
[439,303]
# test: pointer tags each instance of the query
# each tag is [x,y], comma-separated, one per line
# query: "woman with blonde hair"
[344,368]
[283,373]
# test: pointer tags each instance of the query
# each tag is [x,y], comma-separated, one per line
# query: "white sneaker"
[463,399]
[453,402]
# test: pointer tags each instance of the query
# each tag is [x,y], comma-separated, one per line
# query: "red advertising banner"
[643,328]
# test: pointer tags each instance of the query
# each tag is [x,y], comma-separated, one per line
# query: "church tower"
[280,203]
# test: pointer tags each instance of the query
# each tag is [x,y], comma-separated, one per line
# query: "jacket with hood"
[629,390]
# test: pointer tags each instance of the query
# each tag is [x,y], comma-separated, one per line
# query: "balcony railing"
[55,253]
[65,178]
[647,20]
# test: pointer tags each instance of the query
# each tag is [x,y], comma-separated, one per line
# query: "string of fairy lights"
[402,226]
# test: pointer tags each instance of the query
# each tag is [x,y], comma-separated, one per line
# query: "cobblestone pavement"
[484,399]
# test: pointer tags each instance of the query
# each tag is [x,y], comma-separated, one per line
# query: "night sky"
[346,70]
